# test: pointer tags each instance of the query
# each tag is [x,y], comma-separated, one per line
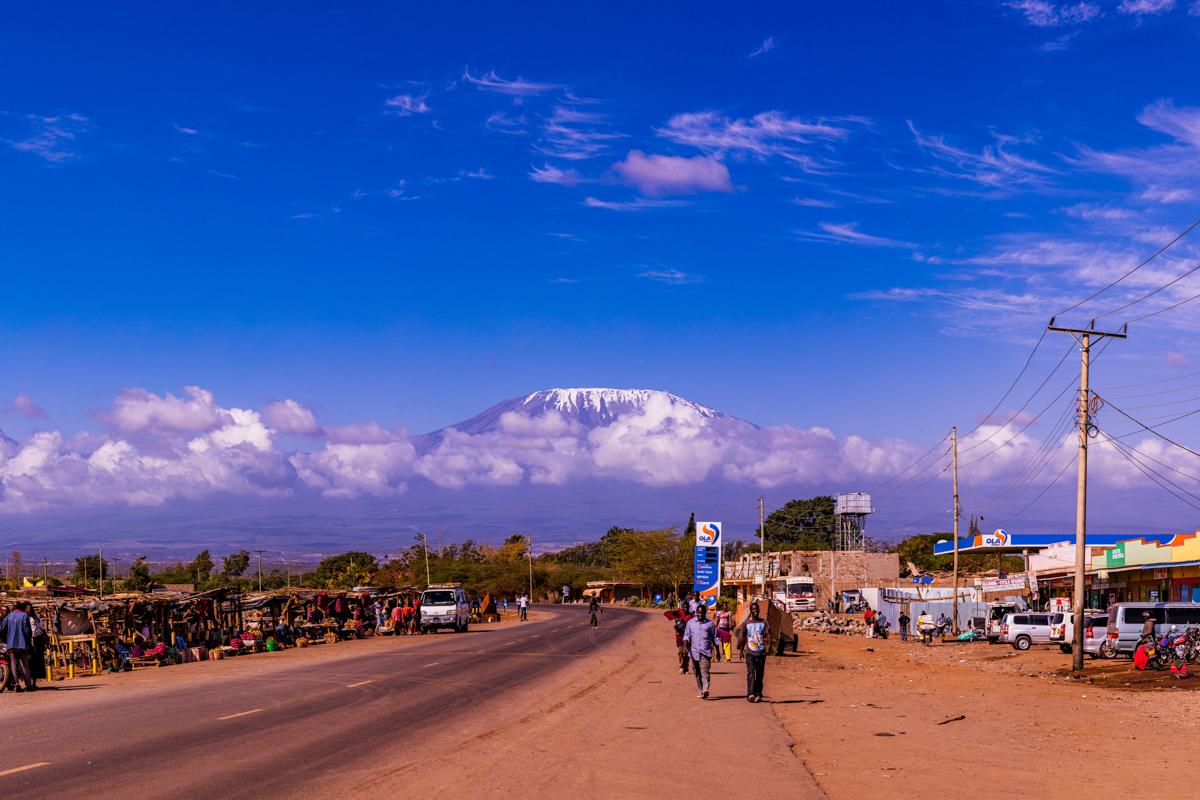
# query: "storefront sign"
[1107,585]
[1115,556]
[1005,585]
[1160,574]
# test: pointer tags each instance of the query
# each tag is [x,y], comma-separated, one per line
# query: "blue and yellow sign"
[707,583]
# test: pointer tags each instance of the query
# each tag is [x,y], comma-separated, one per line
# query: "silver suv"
[1025,630]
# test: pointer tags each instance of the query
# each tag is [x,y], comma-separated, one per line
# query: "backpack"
[680,626]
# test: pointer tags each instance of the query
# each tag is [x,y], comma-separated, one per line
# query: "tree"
[89,567]
[336,568]
[202,566]
[654,558]
[139,575]
[690,531]
[801,525]
[236,563]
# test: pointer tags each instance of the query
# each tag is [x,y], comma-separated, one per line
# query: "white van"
[445,605]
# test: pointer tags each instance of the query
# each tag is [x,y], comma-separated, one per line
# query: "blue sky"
[854,216]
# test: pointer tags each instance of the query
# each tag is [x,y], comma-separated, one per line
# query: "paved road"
[298,724]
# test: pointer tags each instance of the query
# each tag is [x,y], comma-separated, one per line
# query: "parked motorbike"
[5,671]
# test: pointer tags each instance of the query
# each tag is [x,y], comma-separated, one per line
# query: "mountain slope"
[590,408]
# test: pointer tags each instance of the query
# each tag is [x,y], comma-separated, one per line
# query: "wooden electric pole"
[1084,337]
[954,442]
[762,544]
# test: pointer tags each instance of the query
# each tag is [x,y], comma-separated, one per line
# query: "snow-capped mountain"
[590,408]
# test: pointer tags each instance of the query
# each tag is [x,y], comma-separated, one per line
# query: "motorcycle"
[5,670]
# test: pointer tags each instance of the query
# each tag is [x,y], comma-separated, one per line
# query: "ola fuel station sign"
[707,582]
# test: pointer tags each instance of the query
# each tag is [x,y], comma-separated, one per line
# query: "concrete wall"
[866,568]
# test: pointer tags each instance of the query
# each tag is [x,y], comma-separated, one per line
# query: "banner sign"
[707,583]
[1005,585]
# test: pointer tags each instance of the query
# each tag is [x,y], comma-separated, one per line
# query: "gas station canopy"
[1004,542]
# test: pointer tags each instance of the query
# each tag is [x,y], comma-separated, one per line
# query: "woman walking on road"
[724,625]
[754,639]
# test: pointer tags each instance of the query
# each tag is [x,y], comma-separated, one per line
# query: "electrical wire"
[1147,383]
[1039,497]
[1151,394]
[1156,433]
[1151,294]
[1127,274]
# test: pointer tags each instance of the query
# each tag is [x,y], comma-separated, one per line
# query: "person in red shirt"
[679,620]
[869,618]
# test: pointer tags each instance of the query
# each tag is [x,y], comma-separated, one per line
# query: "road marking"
[363,683]
[434,664]
[244,713]
[27,766]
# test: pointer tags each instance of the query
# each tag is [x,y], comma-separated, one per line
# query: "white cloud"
[289,417]
[638,204]
[767,46]
[50,138]
[1167,172]
[491,82]
[193,449]
[502,123]
[550,174]
[23,405]
[766,135]
[849,233]
[403,105]
[1044,14]
[1143,7]
[992,167]
[573,134]
[657,175]
[672,276]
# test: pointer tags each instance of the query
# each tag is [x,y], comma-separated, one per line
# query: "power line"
[1127,274]
[1039,497]
[1151,294]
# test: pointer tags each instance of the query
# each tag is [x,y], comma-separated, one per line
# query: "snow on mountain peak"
[607,404]
[590,408]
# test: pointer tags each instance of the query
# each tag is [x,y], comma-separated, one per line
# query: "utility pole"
[954,444]
[531,567]
[427,578]
[260,552]
[45,580]
[101,584]
[1084,337]
[762,543]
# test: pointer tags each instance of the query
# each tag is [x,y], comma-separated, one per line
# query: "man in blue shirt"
[700,637]
[17,633]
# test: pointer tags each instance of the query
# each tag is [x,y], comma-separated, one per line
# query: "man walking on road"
[523,605]
[595,610]
[17,632]
[754,639]
[700,637]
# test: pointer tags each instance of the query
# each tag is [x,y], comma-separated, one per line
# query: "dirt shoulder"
[872,717]
[624,723]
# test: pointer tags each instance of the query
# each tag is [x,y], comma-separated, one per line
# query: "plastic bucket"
[272,647]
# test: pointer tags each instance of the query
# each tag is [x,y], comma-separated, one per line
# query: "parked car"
[1025,630]
[1125,621]
[1063,632]
[1095,638]
[995,619]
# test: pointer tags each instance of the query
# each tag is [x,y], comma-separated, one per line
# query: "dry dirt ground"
[875,718]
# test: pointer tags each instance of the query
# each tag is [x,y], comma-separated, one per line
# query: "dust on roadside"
[871,717]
